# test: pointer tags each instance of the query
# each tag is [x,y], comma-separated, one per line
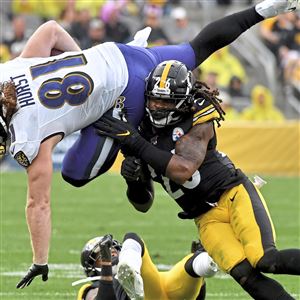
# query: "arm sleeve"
[106,291]
[221,33]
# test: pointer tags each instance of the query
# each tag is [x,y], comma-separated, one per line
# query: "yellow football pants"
[239,227]
[175,284]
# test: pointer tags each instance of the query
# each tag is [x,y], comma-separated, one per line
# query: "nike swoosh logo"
[127,132]
[292,9]
[232,198]
[201,103]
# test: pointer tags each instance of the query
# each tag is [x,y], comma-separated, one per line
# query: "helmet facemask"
[167,116]
[172,84]
[90,256]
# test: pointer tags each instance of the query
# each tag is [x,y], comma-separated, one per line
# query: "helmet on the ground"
[170,82]
[91,253]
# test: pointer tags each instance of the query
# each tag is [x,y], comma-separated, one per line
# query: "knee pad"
[269,262]
[242,272]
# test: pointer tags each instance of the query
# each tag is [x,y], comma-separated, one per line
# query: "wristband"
[106,270]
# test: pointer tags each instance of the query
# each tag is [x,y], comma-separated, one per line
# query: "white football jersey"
[61,94]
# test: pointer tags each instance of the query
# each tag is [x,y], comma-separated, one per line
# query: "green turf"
[101,207]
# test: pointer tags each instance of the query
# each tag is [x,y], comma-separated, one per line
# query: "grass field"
[101,207]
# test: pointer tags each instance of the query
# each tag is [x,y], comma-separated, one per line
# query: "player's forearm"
[181,170]
[38,215]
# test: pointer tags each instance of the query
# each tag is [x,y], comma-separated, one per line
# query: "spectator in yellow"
[4,53]
[226,65]
[262,108]
[93,6]
[43,8]
[24,7]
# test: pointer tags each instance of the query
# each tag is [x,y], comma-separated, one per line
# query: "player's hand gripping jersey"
[216,174]
[61,94]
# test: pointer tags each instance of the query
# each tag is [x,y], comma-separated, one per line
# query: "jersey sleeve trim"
[83,291]
[207,114]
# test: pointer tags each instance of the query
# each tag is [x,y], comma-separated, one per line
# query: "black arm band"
[106,270]
[158,159]
[106,291]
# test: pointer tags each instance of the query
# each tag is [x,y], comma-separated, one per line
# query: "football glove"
[129,137]
[131,168]
[33,271]
[119,130]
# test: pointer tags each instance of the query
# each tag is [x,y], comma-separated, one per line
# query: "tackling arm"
[190,152]
[179,167]
[47,37]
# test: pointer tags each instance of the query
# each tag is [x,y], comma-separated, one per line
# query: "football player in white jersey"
[44,99]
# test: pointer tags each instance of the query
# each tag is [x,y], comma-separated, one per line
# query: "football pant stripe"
[262,216]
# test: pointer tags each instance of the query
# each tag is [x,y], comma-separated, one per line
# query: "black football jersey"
[216,174]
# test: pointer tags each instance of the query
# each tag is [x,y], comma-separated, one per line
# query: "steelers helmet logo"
[177,134]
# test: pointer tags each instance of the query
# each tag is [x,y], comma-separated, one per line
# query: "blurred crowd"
[91,22]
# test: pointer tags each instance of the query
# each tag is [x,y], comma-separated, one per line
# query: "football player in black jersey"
[177,148]
[137,276]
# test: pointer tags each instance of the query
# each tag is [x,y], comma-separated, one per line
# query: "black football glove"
[33,271]
[130,138]
[131,168]
[119,130]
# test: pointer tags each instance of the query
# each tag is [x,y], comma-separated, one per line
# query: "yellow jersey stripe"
[164,75]
[82,291]
[200,112]
[207,117]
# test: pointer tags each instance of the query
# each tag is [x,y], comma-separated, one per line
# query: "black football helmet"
[91,253]
[170,81]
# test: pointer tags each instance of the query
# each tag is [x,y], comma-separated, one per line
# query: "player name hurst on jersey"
[23,91]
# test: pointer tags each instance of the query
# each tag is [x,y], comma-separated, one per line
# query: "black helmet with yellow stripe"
[169,93]
[90,255]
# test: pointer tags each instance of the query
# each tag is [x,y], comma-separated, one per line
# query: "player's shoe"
[105,248]
[131,281]
[207,267]
[272,8]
